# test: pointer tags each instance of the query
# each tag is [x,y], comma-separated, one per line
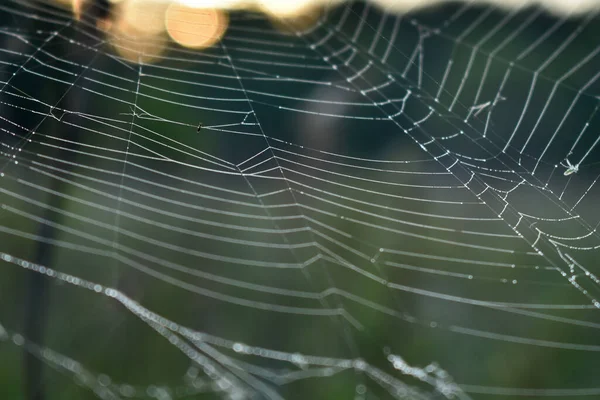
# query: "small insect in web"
[570,168]
[200,125]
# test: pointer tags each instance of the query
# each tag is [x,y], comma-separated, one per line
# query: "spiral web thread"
[474,203]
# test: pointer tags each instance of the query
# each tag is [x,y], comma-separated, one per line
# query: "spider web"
[379,206]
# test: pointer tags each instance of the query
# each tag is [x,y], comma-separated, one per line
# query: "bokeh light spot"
[193,27]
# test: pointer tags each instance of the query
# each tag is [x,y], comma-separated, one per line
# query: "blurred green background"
[185,215]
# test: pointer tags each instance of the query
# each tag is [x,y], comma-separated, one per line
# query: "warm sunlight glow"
[299,23]
[146,13]
[104,24]
[136,46]
[193,27]
[219,4]
[286,9]
[145,16]
[573,6]
[75,6]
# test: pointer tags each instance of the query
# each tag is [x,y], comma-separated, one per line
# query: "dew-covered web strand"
[174,332]
[237,283]
[120,185]
[22,67]
[36,303]
[117,218]
[538,315]
[274,155]
[347,318]
[492,56]
[270,148]
[80,27]
[68,23]
[387,117]
[563,206]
